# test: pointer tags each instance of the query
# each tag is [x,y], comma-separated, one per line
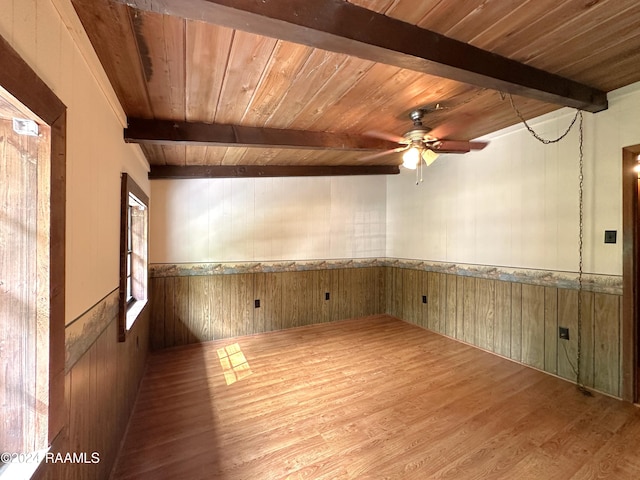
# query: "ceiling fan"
[419,146]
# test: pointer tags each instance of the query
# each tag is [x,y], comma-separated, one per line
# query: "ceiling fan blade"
[478,145]
[457,146]
[385,136]
[382,154]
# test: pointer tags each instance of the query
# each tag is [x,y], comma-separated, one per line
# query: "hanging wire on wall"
[577,367]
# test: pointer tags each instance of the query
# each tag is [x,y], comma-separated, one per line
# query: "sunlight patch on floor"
[234,364]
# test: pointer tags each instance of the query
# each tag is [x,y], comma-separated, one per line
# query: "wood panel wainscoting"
[513,313]
[102,377]
[516,320]
[367,398]
[197,308]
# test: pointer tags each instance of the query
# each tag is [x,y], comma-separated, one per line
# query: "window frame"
[19,80]
[134,273]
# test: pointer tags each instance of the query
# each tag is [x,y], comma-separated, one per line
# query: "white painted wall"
[267,219]
[49,37]
[515,203]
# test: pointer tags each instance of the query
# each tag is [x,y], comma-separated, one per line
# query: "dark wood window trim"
[134,212]
[18,79]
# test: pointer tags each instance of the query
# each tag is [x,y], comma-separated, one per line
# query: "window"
[133,254]
[32,265]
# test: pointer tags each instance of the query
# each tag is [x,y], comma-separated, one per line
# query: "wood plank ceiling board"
[234,156]
[286,63]
[503,31]
[472,20]
[212,156]
[111,32]
[175,154]
[449,18]
[575,35]
[194,155]
[276,156]
[155,153]
[390,91]
[343,87]
[626,62]
[207,54]
[248,59]
[611,31]
[341,27]
[370,83]
[560,22]
[160,40]
[412,12]
[313,79]
[195,67]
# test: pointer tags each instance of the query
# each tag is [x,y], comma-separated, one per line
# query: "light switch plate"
[610,236]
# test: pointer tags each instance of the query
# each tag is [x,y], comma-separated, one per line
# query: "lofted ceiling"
[295,87]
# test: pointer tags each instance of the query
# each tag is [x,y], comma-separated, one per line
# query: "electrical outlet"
[563,333]
[256,303]
[327,296]
[424,299]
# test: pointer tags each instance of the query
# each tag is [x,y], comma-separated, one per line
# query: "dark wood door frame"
[630,277]
[19,80]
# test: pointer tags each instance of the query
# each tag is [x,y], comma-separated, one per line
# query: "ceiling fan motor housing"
[419,132]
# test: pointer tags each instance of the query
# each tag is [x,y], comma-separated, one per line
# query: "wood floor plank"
[372,397]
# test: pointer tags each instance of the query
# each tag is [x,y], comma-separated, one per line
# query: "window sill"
[134,312]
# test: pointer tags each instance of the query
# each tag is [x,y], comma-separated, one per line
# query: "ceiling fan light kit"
[410,158]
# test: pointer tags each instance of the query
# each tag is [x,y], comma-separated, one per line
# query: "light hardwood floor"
[373,397]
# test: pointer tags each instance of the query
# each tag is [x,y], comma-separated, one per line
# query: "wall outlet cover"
[563,333]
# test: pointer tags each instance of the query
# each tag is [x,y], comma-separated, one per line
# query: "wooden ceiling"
[321,74]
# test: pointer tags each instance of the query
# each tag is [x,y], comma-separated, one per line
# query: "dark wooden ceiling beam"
[252,171]
[340,26]
[168,132]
